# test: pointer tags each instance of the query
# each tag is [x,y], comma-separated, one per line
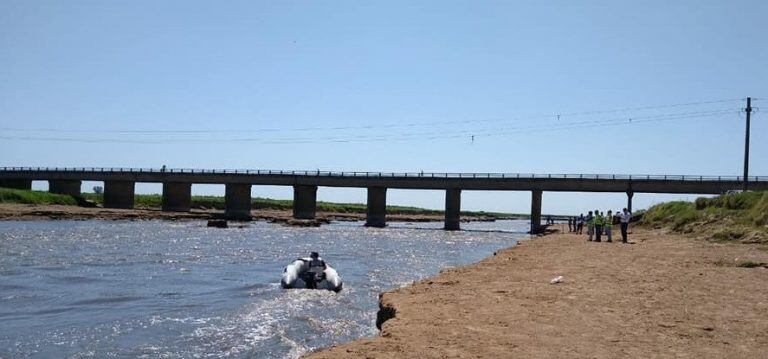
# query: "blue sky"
[387,86]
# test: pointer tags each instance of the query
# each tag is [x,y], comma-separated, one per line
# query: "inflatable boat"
[298,275]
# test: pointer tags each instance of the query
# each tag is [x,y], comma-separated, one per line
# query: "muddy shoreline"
[27,212]
[663,295]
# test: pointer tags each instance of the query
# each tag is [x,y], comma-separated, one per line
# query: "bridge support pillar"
[70,187]
[536,211]
[304,202]
[452,209]
[237,201]
[377,207]
[177,196]
[629,200]
[119,194]
[16,184]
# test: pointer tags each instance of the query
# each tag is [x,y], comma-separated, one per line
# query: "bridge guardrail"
[318,173]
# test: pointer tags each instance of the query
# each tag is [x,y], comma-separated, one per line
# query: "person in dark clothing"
[624,218]
[316,261]
[316,272]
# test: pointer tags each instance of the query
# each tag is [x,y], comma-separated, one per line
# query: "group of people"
[599,224]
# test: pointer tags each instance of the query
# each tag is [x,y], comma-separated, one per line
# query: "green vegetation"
[740,263]
[9,195]
[215,202]
[729,217]
[750,264]
[675,214]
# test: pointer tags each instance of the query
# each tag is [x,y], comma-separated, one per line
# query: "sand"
[663,296]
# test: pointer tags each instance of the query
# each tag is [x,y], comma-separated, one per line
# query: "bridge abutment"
[377,207]
[70,187]
[536,211]
[16,183]
[237,201]
[452,209]
[304,202]
[177,196]
[119,194]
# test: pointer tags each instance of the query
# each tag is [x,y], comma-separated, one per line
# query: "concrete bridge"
[119,184]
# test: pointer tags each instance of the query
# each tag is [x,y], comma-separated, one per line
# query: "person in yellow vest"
[590,225]
[608,224]
[598,225]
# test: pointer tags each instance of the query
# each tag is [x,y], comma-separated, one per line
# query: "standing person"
[590,226]
[580,225]
[598,225]
[570,225]
[625,216]
[608,224]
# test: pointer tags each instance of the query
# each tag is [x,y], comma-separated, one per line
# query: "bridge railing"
[318,173]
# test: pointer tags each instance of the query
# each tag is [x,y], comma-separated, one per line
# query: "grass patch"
[739,263]
[675,214]
[750,264]
[740,201]
[729,234]
[10,195]
[729,217]
[758,214]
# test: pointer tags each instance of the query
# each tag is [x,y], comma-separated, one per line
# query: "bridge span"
[119,185]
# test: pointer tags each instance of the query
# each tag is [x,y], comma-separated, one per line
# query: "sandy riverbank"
[664,296]
[10,211]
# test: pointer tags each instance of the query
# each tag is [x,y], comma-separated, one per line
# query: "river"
[152,289]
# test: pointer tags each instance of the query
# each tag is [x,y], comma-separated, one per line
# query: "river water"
[112,289]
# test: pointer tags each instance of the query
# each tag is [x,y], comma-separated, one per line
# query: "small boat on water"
[300,274]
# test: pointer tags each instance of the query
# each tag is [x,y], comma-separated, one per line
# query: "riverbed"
[179,289]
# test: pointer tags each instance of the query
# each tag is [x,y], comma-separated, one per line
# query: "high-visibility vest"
[599,220]
[608,221]
[591,221]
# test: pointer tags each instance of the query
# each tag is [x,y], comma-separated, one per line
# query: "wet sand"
[663,296]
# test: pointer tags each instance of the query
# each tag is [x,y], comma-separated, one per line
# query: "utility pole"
[748,110]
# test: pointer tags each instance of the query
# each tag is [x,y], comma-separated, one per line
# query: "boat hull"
[293,273]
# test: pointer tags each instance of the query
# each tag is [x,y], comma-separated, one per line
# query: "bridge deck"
[403,180]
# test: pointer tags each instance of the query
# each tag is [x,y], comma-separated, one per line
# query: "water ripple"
[106,300]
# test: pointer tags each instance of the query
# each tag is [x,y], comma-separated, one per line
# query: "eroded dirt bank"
[664,296]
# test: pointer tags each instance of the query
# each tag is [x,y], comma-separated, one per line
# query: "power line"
[491,131]
[431,135]
[369,127]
